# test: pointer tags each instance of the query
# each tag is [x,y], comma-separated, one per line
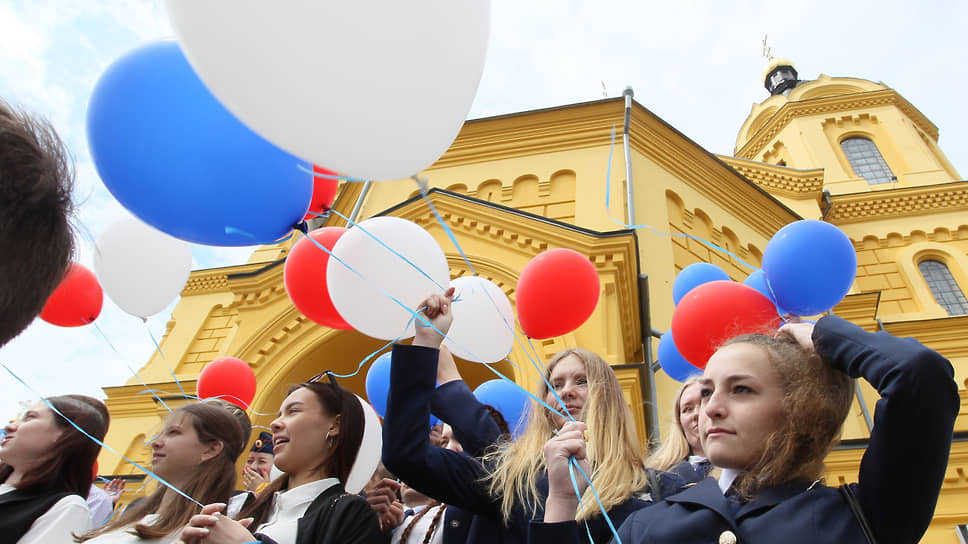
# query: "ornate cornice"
[946,335]
[900,202]
[860,309]
[833,104]
[779,180]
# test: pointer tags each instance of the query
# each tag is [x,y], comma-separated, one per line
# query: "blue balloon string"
[104,336]
[158,349]
[450,233]
[98,442]
[571,472]
[390,249]
[316,174]
[608,195]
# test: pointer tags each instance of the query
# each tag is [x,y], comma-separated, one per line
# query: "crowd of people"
[742,461]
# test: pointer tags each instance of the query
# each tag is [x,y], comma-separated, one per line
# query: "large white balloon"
[483,327]
[140,268]
[376,89]
[368,458]
[364,272]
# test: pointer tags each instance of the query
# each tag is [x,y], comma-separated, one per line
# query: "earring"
[327,436]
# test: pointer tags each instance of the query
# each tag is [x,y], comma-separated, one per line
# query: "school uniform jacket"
[452,477]
[913,424]
[336,517]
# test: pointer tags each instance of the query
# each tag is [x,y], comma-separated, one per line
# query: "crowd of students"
[742,462]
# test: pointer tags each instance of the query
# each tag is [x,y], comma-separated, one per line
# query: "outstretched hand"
[435,309]
[802,332]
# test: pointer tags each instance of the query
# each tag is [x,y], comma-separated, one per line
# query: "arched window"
[867,161]
[944,287]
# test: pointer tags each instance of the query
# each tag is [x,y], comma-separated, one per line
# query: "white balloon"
[374,89]
[364,272]
[371,449]
[140,268]
[483,327]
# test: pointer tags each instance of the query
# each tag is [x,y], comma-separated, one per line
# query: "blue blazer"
[914,420]
[451,477]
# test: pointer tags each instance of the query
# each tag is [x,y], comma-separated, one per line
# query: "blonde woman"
[507,489]
[681,452]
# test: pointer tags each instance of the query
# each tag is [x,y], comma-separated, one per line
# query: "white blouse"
[290,505]
[59,523]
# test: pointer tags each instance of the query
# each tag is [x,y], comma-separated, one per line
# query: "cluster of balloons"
[808,267]
[506,396]
[209,140]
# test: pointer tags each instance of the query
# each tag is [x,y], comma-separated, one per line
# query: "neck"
[299,478]
[15,477]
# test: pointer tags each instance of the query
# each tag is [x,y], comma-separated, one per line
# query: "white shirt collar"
[291,498]
[696,460]
[727,477]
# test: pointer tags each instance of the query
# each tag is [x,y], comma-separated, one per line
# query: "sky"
[696,64]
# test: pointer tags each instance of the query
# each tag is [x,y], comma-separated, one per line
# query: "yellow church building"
[847,151]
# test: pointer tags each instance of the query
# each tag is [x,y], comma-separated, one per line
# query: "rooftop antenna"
[604,90]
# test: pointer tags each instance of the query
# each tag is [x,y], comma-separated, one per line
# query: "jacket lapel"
[771,496]
[708,495]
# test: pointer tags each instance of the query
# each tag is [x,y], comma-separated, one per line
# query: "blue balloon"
[672,362]
[378,383]
[176,158]
[810,266]
[509,399]
[757,280]
[693,276]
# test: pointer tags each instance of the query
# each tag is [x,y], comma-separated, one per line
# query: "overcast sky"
[696,64]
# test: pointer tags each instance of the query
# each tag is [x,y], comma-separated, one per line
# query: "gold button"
[727,537]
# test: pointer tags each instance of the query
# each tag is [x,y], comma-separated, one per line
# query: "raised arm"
[913,423]
[451,477]
[454,403]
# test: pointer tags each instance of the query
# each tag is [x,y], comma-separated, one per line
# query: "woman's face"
[570,382]
[299,433]
[262,462]
[30,439]
[742,405]
[176,453]
[689,406]
[447,440]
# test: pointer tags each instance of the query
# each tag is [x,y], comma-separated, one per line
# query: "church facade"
[847,151]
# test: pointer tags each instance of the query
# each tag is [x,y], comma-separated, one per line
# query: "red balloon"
[76,301]
[324,192]
[305,278]
[714,312]
[227,378]
[557,291]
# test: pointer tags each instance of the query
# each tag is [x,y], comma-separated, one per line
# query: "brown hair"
[245,424]
[675,448]
[69,466]
[433,522]
[213,480]
[816,400]
[334,401]
[618,470]
[36,238]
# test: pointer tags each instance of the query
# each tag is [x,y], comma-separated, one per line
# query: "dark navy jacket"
[451,477]
[913,424]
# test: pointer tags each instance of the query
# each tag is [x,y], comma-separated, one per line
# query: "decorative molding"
[779,180]
[897,203]
[829,105]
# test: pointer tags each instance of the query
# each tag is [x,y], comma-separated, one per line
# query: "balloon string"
[316,174]
[608,194]
[158,349]
[104,336]
[574,483]
[96,441]
[390,249]
[422,184]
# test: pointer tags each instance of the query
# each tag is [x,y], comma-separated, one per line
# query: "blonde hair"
[675,447]
[613,448]
[816,400]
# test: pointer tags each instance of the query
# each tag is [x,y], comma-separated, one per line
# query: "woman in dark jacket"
[316,439]
[772,409]
[506,489]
